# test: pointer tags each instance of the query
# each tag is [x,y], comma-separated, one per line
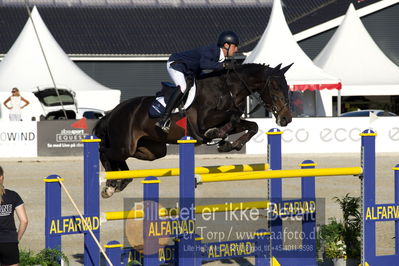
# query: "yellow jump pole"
[176,171]
[208,178]
[213,208]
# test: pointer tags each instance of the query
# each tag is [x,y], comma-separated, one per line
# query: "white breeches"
[177,77]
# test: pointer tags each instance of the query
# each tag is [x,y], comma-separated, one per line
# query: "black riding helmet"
[229,37]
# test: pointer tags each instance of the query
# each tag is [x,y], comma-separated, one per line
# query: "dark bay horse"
[128,130]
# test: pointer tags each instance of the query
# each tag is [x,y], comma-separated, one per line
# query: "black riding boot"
[164,123]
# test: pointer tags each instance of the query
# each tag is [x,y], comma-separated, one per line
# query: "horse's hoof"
[214,142]
[212,133]
[107,192]
[225,147]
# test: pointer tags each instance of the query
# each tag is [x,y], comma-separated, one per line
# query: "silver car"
[367,113]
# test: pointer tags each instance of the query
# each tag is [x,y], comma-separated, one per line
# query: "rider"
[192,62]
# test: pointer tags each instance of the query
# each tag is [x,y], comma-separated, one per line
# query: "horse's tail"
[100,131]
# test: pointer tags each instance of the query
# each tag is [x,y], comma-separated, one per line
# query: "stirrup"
[164,125]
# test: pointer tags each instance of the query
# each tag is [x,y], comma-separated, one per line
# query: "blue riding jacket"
[194,61]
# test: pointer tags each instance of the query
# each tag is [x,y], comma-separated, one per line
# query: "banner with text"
[327,135]
[62,137]
[18,139]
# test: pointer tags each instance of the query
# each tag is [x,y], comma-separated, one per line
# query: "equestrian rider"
[192,62]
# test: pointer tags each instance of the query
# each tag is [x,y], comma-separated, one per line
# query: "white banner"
[327,135]
[18,139]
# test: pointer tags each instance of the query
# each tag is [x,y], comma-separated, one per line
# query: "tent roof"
[38,60]
[353,56]
[25,66]
[278,45]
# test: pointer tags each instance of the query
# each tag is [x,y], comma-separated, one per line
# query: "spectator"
[10,201]
[15,108]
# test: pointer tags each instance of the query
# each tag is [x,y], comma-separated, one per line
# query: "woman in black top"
[10,201]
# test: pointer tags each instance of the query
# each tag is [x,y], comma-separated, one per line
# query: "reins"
[268,106]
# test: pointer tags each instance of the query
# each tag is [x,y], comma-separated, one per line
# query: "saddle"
[157,107]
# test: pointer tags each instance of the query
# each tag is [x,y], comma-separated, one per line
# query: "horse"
[216,112]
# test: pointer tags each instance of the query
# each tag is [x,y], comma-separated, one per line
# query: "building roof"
[161,27]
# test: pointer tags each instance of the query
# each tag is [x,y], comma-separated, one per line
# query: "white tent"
[278,45]
[353,56]
[25,67]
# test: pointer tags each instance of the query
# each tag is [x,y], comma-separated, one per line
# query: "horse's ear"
[277,67]
[285,69]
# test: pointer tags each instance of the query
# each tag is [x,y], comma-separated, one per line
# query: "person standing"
[10,202]
[15,109]
[193,62]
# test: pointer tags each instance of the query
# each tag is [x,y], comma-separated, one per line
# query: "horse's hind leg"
[149,153]
[112,186]
[122,183]
[115,185]
[150,150]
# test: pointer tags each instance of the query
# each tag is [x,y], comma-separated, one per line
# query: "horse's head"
[272,87]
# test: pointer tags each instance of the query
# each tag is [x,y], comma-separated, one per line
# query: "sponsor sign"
[18,139]
[61,138]
[327,135]
[73,225]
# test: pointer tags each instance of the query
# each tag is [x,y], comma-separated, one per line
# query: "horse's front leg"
[224,130]
[251,129]
[244,125]
[221,132]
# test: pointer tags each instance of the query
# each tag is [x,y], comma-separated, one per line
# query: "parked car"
[367,113]
[62,105]
[90,113]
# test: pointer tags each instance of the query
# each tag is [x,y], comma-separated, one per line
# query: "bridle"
[273,107]
[269,106]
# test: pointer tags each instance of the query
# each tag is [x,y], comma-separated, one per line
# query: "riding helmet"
[229,37]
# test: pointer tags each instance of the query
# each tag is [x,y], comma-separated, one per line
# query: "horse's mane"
[255,68]
[246,68]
